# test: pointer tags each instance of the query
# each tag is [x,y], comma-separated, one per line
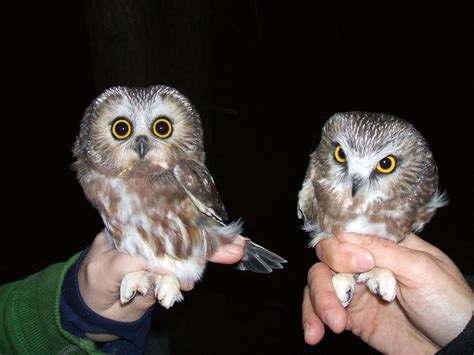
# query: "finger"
[412,241]
[100,239]
[344,257]
[122,264]
[186,285]
[99,247]
[407,264]
[143,302]
[118,263]
[101,262]
[323,297]
[229,253]
[312,326]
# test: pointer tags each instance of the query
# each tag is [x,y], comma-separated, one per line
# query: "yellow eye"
[121,128]
[162,127]
[340,155]
[387,164]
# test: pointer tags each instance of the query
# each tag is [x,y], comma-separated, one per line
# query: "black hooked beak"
[356,184]
[141,146]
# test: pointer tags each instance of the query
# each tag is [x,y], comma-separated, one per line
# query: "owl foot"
[167,290]
[344,284]
[380,281]
[132,283]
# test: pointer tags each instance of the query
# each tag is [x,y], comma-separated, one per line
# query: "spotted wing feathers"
[198,183]
[196,180]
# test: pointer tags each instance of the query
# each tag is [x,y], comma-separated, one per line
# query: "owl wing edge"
[198,183]
[307,197]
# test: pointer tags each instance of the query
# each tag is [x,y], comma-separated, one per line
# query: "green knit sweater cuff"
[30,319]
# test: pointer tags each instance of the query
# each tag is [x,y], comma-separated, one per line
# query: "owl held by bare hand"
[371,174]
[140,161]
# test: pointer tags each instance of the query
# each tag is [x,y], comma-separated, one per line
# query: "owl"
[140,161]
[372,173]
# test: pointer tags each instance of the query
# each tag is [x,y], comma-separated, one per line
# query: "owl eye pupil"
[342,154]
[385,163]
[162,127]
[121,128]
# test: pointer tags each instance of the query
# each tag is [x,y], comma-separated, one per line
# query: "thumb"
[409,266]
[229,253]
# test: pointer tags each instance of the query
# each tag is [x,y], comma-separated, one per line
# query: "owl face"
[140,130]
[373,157]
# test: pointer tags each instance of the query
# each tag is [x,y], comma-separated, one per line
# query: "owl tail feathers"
[258,259]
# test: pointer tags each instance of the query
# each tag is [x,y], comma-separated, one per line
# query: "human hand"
[433,305]
[103,268]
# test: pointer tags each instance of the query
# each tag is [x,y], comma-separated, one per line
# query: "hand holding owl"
[434,303]
[102,271]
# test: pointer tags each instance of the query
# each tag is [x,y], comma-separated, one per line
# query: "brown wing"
[196,180]
[198,183]
[307,198]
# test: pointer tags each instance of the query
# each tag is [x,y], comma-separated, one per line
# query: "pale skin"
[434,302]
[101,273]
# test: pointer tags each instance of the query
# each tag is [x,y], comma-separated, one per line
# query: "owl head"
[375,157]
[138,131]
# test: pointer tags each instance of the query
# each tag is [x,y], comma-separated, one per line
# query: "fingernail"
[233,249]
[329,318]
[363,261]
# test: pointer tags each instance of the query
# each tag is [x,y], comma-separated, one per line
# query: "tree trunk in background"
[149,42]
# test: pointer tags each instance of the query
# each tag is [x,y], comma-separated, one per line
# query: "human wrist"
[80,319]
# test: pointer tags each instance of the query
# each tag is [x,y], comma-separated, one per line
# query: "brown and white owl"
[372,173]
[140,161]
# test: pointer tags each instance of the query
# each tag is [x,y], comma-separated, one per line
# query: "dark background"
[264,77]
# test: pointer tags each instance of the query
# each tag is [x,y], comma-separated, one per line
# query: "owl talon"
[132,283]
[380,281]
[167,290]
[344,284]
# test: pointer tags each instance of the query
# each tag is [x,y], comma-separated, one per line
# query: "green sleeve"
[30,320]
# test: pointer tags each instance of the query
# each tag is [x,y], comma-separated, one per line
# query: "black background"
[271,75]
